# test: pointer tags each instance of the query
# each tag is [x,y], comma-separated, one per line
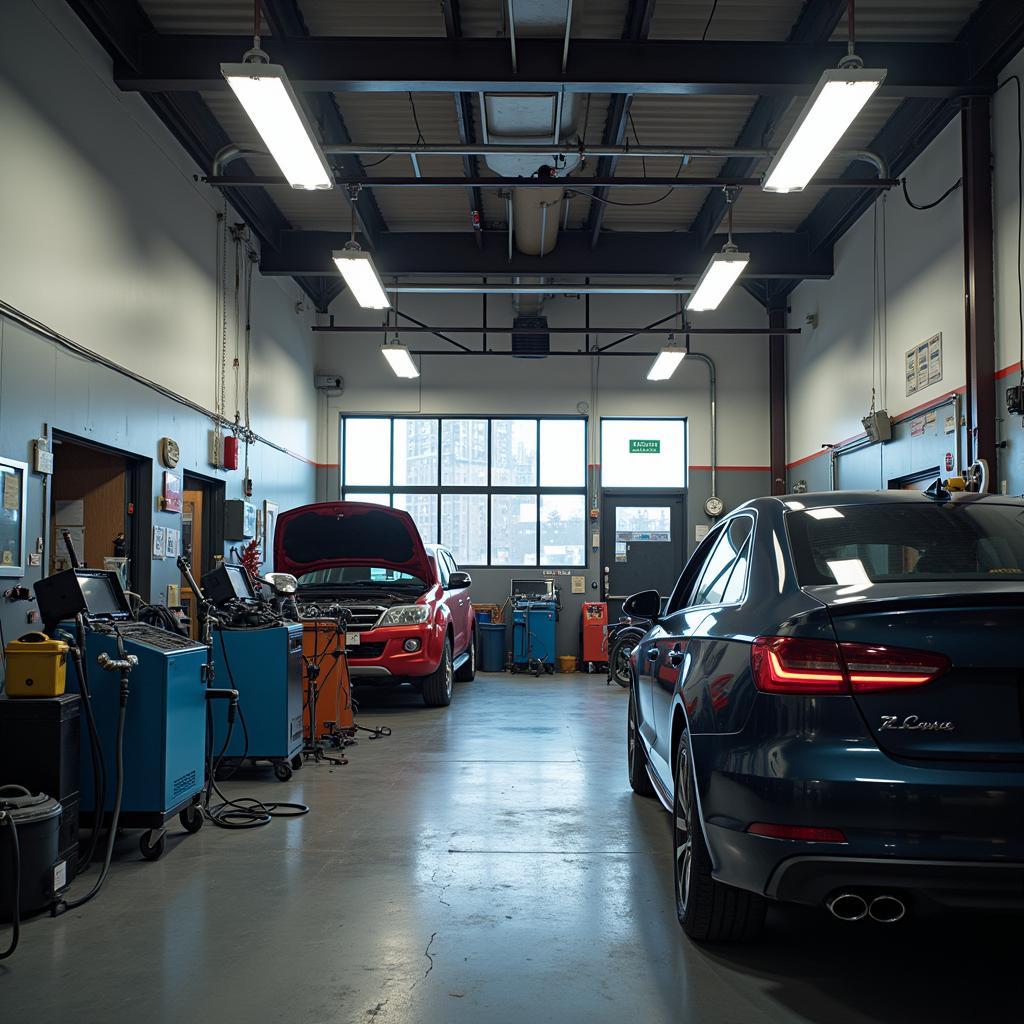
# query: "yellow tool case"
[36,666]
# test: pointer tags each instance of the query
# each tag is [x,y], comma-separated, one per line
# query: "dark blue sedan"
[832,706]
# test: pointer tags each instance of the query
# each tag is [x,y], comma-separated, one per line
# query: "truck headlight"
[406,615]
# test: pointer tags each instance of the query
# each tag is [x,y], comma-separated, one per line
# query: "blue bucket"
[483,617]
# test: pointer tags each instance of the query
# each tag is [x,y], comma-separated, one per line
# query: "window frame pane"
[486,489]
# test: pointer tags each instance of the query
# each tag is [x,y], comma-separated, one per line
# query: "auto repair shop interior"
[511,510]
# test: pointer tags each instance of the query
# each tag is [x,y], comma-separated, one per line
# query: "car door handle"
[675,658]
[652,653]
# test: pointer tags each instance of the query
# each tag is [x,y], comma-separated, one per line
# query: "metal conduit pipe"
[713,389]
[233,152]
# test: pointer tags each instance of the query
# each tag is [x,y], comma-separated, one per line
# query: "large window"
[502,491]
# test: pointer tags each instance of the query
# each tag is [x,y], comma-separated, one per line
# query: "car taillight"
[783,664]
[874,667]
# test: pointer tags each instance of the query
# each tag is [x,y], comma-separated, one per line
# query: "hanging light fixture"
[721,273]
[268,98]
[837,99]
[398,356]
[356,267]
[669,358]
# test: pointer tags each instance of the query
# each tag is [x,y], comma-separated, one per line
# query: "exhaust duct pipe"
[887,909]
[848,906]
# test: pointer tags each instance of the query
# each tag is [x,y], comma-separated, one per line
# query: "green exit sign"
[645,447]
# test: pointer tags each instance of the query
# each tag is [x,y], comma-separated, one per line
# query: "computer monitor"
[102,593]
[228,583]
[540,590]
[96,592]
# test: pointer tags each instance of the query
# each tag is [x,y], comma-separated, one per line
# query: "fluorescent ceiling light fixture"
[718,277]
[400,360]
[267,97]
[666,362]
[837,99]
[361,276]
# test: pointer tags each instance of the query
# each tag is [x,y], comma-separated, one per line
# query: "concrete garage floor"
[486,863]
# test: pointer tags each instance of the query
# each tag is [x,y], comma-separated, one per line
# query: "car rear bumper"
[811,873]
[964,884]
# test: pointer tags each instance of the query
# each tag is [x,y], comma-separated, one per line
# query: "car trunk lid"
[973,709]
[338,534]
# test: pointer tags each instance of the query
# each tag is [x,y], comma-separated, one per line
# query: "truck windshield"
[354,576]
[892,543]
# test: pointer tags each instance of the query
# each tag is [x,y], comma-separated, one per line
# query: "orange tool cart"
[594,634]
[326,673]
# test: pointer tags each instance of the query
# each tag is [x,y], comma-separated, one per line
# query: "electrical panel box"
[239,520]
[42,456]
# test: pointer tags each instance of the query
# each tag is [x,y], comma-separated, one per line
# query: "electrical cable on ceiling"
[419,133]
[1020,215]
[711,17]
[929,206]
[636,138]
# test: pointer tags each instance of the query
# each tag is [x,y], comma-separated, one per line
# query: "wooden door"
[192,549]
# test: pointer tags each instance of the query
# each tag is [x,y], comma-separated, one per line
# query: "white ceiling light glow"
[267,97]
[361,277]
[718,277]
[400,360]
[837,99]
[666,362]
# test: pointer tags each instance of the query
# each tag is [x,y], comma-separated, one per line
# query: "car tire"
[467,670]
[708,910]
[636,760]
[618,657]
[437,687]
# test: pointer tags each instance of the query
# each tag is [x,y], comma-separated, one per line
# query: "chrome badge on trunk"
[911,722]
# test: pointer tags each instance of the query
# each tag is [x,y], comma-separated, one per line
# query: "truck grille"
[364,617]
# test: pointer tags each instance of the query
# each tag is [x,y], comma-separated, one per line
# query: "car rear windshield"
[891,543]
[354,576]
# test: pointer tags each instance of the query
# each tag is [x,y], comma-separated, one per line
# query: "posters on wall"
[924,364]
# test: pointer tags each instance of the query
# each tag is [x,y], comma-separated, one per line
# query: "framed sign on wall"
[13,497]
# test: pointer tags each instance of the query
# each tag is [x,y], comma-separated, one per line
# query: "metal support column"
[979,291]
[777,400]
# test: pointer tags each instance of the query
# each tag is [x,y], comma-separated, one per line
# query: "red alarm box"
[231,452]
[594,628]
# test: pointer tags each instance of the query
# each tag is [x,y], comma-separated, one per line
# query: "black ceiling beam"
[286,22]
[622,254]
[637,27]
[464,119]
[118,25]
[816,23]
[661,67]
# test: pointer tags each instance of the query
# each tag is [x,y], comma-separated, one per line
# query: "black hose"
[118,793]
[99,768]
[8,819]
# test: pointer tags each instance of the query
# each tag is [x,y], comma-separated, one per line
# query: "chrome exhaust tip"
[848,906]
[887,909]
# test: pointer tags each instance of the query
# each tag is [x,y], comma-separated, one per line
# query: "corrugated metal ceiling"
[658,120]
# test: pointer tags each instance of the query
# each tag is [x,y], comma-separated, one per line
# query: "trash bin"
[492,646]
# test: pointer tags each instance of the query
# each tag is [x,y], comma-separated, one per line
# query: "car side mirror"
[459,581]
[644,605]
[282,582]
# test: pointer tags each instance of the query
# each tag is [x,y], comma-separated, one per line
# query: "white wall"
[106,238]
[613,386]
[830,367]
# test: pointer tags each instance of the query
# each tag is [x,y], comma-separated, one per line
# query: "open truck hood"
[338,534]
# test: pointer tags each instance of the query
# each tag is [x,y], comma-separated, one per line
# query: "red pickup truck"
[408,609]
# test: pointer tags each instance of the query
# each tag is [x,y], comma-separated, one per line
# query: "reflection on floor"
[486,863]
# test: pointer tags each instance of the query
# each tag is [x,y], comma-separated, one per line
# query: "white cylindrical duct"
[537,216]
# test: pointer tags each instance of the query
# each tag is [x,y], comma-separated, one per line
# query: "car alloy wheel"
[682,833]
[448,674]
[631,739]
[620,664]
